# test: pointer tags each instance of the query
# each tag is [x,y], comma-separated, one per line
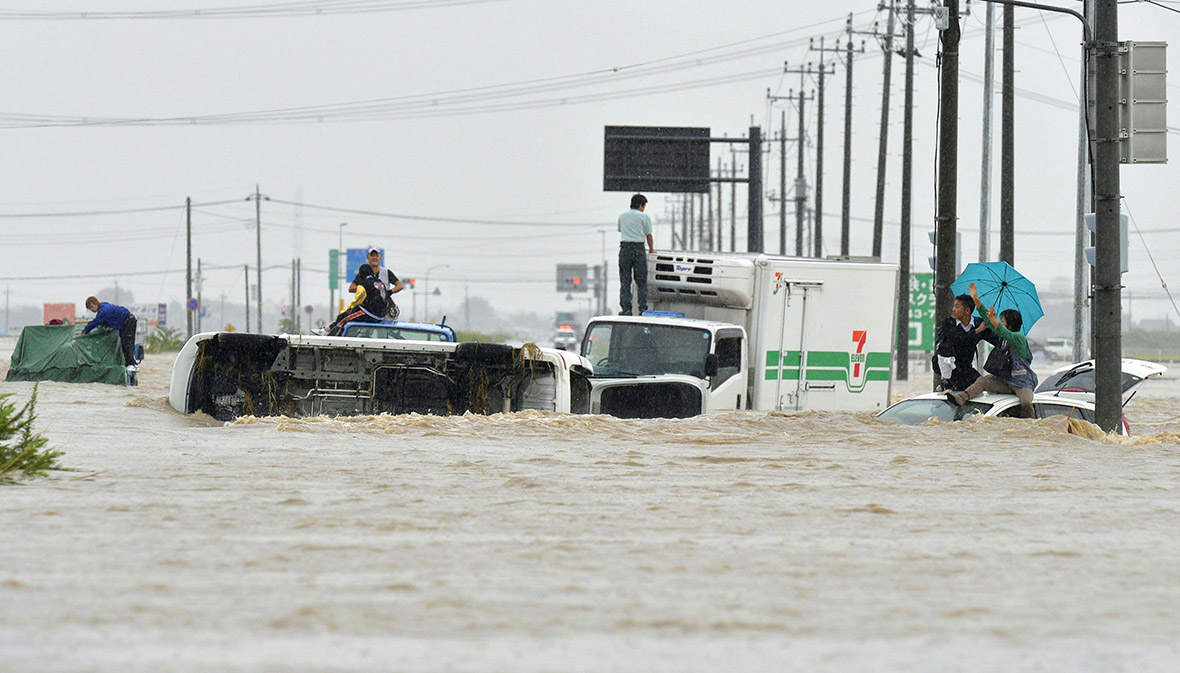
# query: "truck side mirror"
[711,364]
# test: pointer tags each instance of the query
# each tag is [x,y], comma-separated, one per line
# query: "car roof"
[998,399]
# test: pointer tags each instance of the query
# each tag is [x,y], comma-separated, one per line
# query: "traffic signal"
[412,281]
[1124,226]
[284,309]
[572,278]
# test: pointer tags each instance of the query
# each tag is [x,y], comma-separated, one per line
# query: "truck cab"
[665,366]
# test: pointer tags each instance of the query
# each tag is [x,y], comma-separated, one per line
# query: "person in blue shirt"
[634,232]
[114,317]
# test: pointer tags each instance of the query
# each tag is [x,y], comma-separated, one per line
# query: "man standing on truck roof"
[634,231]
[374,286]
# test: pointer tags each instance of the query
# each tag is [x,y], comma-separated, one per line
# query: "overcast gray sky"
[420,111]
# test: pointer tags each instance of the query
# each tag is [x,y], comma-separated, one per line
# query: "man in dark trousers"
[955,344]
[634,235]
[115,317]
[373,285]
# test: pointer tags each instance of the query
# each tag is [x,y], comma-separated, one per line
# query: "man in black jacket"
[955,344]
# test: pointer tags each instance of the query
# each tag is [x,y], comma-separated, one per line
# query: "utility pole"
[720,219]
[883,136]
[257,197]
[246,268]
[782,190]
[1082,207]
[907,182]
[291,316]
[845,213]
[821,72]
[985,171]
[1007,140]
[709,229]
[755,225]
[200,286]
[948,165]
[188,267]
[1107,322]
[800,181]
[700,223]
[733,202]
[684,222]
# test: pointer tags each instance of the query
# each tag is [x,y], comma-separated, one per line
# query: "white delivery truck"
[747,331]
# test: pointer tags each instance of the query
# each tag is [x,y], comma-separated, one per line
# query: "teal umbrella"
[999,285]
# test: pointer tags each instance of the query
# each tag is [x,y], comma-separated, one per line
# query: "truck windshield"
[641,349]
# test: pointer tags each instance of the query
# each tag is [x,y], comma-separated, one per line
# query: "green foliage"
[1151,345]
[22,451]
[163,340]
[287,326]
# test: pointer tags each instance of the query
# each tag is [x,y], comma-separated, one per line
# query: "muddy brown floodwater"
[542,542]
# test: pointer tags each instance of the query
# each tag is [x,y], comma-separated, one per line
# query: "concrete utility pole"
[755,225]
[1107,323]
[200,287]
[1007,140]
[733,169]
[684,220]
[188,266]
[1082,207]
[257,197]
[948,166]
[883,135]
[800,180]
[907,182]
[985,170]
[782,189]
[845,213]
[720,219]
[821,72]
[246,269]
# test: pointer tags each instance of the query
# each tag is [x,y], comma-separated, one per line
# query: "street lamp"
[426,280]
[339,251]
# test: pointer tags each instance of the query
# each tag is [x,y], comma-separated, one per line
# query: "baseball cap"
[373,249]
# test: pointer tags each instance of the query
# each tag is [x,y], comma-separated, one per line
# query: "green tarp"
[51,353]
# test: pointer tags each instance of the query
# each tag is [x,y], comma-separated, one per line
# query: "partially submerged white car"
[1068,391]
[231,374]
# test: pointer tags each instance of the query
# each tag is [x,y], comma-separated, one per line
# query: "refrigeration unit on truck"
[747,331]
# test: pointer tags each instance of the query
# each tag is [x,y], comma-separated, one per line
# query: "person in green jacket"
[1017,378]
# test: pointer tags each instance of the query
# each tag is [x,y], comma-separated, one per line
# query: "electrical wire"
[1151,257]
[273,10]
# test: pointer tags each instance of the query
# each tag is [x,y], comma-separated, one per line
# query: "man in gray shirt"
[634,232]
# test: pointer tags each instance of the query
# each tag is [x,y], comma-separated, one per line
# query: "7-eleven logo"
[857,357]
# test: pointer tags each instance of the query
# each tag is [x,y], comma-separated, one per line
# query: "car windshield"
[634,349]
[912,412]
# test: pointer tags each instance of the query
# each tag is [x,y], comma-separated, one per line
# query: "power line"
[281,9]
[124,211]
